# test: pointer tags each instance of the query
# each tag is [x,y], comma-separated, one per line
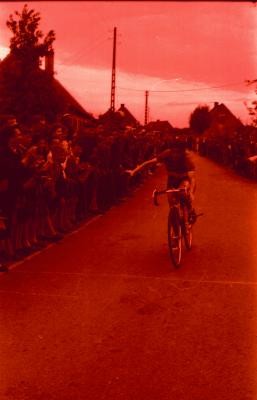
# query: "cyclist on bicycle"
[180,170]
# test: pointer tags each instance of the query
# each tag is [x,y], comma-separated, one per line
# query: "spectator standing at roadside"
[15,174]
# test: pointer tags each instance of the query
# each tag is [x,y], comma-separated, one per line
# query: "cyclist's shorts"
[174,182]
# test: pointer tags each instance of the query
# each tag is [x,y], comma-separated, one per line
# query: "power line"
[75,57]
[134,90]
[182,90]
[176,104]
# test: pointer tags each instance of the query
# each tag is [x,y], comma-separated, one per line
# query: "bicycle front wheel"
[174,238]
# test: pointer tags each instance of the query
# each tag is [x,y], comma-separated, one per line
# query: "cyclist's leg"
[188,212]
[186,183]
[191,176]
[172,183]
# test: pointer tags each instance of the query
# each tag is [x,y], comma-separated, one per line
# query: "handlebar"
[157,193]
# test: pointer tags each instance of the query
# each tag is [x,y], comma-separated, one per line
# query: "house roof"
[47,88]
[221,114]
[127,116]
[72,104]
[118,119]
[159,126]
[223,122]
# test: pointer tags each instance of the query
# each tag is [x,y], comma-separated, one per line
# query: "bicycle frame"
[178,225]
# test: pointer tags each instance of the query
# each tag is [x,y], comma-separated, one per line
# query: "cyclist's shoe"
[192,216]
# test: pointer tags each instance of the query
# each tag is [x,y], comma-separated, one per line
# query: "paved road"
[104,316]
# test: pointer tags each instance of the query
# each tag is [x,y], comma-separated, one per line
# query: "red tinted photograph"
[128,171]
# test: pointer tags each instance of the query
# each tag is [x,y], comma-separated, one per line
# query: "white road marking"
[174,282]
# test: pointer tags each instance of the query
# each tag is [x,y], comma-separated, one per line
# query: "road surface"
[103,315]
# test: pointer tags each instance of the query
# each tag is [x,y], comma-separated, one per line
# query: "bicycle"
[179,223]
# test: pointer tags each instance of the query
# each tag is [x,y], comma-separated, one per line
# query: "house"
[159,126]
[128,119]
[223,122]
[28,92]
[120,119]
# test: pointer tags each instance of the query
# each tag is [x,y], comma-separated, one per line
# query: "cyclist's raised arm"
[160,158]
[141,166]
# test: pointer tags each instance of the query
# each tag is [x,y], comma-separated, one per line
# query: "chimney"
[49,62]
[122,106]
[216,103]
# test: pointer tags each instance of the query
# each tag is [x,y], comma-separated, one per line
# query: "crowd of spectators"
[53,176]
[238,152]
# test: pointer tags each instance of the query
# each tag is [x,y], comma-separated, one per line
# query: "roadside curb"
[14,265]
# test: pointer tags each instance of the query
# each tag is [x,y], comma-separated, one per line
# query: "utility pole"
[146,106]
[113,71]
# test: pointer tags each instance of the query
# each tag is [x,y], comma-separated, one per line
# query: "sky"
[185,53]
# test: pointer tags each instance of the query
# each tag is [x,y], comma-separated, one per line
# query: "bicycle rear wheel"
[174,237]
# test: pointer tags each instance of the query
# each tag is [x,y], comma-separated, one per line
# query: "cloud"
[198,40]
[206,43]
[91,86]
[3,52]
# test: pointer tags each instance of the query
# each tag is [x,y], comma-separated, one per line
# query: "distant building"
[41,93]
[159,126]
[120,119]
[223,122]
[161,129]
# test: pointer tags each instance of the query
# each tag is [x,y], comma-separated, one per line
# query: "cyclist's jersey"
[181,165]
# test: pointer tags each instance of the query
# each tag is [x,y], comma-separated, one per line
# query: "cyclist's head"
[178,145]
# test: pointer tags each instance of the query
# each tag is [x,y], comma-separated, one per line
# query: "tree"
[200,119]
[25,90]
[252,109]
[28,41]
